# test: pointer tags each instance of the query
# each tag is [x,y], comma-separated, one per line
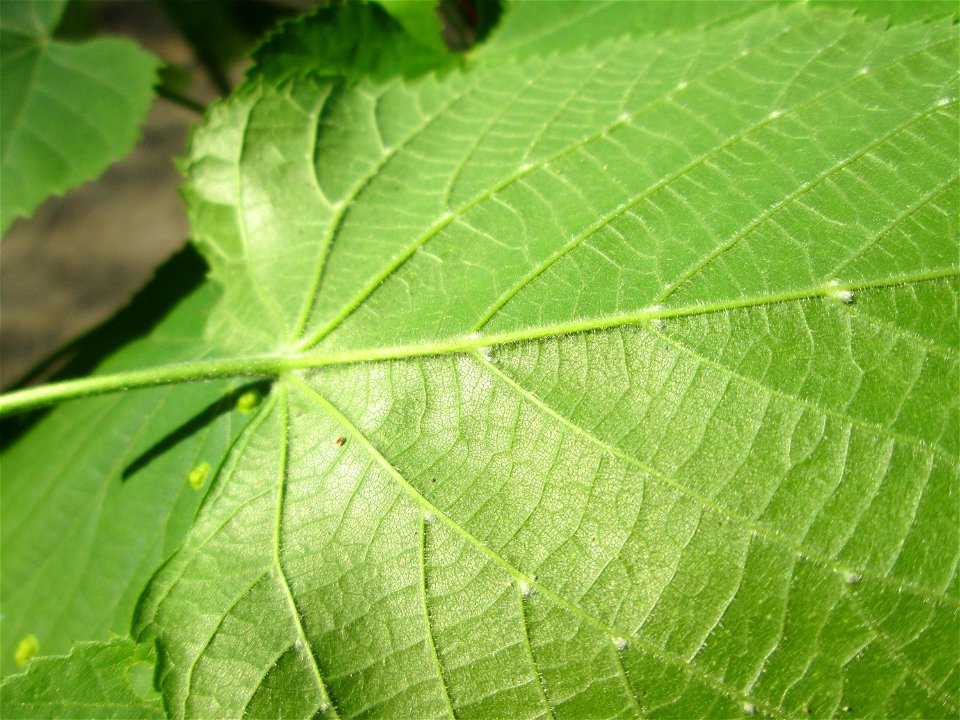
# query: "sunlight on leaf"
[629,382]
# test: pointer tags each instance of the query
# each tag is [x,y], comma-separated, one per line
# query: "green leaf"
[97,494]
[419,19]
[618,380]
[355,40]
[544,26]
[96,681]
[69,110]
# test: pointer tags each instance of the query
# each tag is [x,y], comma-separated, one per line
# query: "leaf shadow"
[182,273]
[185,430]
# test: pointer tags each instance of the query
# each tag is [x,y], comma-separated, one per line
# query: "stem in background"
[180,99]
[37,397]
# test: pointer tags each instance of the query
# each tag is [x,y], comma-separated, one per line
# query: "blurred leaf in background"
[69,109]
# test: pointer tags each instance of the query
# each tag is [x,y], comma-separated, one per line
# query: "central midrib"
[271,365]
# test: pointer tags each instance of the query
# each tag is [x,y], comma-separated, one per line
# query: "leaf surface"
[96,681]
[97,494]
[69,110]
[628,384]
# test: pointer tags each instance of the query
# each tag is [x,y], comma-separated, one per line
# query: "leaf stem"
[37,397]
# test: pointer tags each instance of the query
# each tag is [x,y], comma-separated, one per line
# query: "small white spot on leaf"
[837,293]
[749,708]
[621,643]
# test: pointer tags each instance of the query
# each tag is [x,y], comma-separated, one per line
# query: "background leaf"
[69,110]
[97,494]
[96,681]
[354,40]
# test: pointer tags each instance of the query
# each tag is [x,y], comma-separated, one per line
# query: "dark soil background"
[82,256]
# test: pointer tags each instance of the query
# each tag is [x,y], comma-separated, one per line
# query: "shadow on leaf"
[227,403]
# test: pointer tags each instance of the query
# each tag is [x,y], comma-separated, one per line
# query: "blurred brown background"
[82,256]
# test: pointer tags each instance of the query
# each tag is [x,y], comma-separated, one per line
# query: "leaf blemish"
[198,476]
[621,643]
[852,578]
[27,649]
[834,291]
[340,441]
[749,708]
[248,402]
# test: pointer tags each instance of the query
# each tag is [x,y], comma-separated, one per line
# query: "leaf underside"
[69,110]
[644,357]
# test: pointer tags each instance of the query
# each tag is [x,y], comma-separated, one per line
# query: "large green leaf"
[628,385]
[69,110]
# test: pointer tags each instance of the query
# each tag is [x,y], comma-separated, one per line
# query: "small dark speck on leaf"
[341,440]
